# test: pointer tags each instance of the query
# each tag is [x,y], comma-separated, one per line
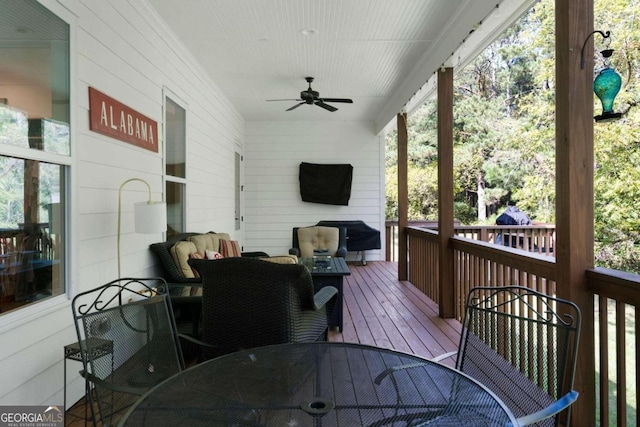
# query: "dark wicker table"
[329,272]
[319,384]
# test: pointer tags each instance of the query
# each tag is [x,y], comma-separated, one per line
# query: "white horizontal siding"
[125,52]
[273,153]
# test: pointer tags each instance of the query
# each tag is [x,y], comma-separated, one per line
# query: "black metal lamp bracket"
[604,36]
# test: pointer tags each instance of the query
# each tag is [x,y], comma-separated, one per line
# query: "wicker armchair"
[247,302]
[314,240]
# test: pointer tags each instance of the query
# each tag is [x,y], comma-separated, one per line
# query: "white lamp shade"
[150,217]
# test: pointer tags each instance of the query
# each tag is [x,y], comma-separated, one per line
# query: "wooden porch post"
[446,305]
[403,196]
[574,186]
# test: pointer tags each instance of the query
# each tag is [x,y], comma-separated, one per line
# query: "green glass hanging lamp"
[606,86]
[607,82]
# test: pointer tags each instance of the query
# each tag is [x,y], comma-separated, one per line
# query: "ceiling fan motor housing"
[309,96]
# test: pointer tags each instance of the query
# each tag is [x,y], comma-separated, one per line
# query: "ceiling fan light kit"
[312,97]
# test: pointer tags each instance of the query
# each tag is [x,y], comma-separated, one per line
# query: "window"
[238,191]
[175,164]
[34,153]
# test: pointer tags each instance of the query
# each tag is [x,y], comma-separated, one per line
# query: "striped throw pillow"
[195,255]
[230,248]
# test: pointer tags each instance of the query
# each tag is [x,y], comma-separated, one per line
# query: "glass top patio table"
[319,384]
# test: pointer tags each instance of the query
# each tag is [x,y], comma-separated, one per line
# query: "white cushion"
[212,254]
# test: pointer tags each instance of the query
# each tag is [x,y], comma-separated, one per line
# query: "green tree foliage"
[617,144]
[504,134]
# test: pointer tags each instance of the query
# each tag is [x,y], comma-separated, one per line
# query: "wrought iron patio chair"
[521,344]
[128,343]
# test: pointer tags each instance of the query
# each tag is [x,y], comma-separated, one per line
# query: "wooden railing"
[616,298]
[391,236]
[476,263]
[537,238]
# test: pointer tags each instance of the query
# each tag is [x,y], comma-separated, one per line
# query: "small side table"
[329,272]
[73,351]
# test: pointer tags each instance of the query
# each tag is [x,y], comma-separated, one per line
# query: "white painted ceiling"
[377,52]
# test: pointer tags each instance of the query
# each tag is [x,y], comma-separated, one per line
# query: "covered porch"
[410,305]
[404,315]
[383,311]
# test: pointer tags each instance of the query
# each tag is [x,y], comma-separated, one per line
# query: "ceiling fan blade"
[326,106]
[345,100]
[290,99]
[295,106]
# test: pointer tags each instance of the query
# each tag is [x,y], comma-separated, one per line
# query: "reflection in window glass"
[175,137]
[34,115]
[31,231]
[39,134]
[175,210]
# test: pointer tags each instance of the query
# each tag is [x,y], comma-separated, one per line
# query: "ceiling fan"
[312,97]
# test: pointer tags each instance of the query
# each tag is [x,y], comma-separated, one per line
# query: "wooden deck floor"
[379,310]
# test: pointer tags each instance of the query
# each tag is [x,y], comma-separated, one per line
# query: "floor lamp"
[150,216]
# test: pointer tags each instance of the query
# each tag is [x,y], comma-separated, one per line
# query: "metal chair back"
[128,342]
[522,344]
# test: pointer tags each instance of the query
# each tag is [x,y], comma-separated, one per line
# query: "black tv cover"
[327,184]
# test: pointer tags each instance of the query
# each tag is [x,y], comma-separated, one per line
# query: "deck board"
[382,311]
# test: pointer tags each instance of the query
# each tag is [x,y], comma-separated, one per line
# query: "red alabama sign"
[112,118]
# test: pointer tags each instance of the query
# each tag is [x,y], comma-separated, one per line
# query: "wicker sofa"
[184,285]
[174,255]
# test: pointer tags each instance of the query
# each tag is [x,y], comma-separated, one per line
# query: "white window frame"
[168,93]
[32,312]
